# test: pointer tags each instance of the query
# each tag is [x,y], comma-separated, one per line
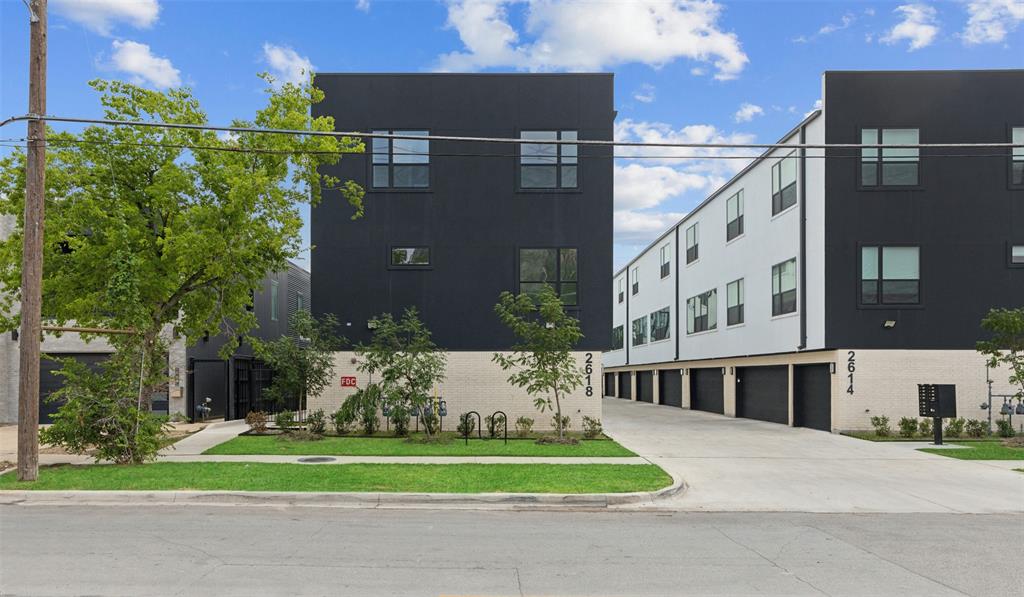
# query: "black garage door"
[707,390]
[645,386]
[609,384]
[50,381]
[812,396]
[625,387]
[670,387]
[762,393]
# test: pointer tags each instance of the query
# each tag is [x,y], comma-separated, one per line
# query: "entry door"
[211,381]
[645,386]
[707,390]
[762,393]
[670,387]
[812,396]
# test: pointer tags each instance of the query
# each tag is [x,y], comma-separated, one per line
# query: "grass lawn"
[989,450]
[395,446]
[424,478]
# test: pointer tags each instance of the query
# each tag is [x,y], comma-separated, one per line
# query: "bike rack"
[479,426]
[504,419]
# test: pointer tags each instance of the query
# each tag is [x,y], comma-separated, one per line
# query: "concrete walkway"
[212,435]
[745,465]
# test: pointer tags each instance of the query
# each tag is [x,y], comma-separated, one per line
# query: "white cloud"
[641,228]
[286,64]
[579,36]
[747,112]
[138,60]
[919,26]
[828,28]
[101,15]
[817,106]
[363,5]
[642,187]
[645,94]
[991,20]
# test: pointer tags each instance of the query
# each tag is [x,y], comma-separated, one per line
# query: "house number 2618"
[851,366]
[589,370]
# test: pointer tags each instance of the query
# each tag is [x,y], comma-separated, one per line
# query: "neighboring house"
[450,225]
[820,292]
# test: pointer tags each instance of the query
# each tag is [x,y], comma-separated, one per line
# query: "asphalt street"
[228,550]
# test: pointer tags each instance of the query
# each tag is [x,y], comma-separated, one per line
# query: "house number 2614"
[851,366]
[589,370]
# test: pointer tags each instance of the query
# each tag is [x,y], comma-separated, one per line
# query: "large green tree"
[302,361]
[147,227]
[1005,346]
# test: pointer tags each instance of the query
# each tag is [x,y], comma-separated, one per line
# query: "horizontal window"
[702,312]
[784,288]
[401,163]
[890,276]
[660,321]
[734,216]
[410,256]
[617,337]
[552,267]
[639,331]
[784,184]
[892,166]
[734,302]
[548,165]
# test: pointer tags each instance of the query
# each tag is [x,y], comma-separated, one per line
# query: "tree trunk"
[558,411]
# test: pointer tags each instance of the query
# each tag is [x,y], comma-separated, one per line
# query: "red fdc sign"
[348,381]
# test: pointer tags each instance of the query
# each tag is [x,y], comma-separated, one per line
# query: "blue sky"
[697,71]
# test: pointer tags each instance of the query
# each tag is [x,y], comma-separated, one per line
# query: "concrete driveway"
[745,465]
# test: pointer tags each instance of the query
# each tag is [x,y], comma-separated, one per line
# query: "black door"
[812,396]
[707,390]
[625,388]
[609,384]
[50,381]
[670,387]
[210,380]
[645,386]
[762,393]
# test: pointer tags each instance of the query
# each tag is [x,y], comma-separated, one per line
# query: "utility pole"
[32,250]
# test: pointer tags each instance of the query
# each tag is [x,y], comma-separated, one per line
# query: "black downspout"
[675,281]
[803,238]
[626,325]
[190,386]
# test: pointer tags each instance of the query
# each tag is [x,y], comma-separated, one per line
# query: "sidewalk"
[402,459]
[212,435]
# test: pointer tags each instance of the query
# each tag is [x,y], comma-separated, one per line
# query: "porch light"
[889,324]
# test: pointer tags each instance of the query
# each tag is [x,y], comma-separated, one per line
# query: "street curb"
[514,501]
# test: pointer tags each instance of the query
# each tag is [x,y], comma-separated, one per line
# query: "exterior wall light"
[889,324]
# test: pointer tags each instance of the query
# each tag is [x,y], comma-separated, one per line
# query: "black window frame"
[1009,254]
[1015,158]
[390,164]
[622,288]
[667,327]
[733,232]
[559,164]
[618,337]
[410,266]
[633,336]
[635,270]
[692,252]
[880,279]
[559,282]
[879,160]
[275,299]
[734,314]
[781,299]
[704,301]
[666,265]
[784,193]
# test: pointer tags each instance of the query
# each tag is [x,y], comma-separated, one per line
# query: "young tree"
[541,361]
[1006,345]
[406,359]
[148,227]
[303,361]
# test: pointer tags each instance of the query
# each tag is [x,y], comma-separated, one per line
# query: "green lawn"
[423,478]
[394,446]
[989,450]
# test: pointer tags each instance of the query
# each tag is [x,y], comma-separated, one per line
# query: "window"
[666,260]
[894,166]
[554,267]
[660,324]
[890,275]
[622,286]
[639,331]
[1017,158]
[410,256]
[734,302]
[734,216]
[1017,255]
[300,301]
[784,184]
[692,244]
[784,288]
[547,165]
[617,337]
[636,280]
[702,312]
[273,300]
[401,163]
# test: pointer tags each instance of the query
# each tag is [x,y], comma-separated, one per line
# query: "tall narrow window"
[666,260]
[892,166]
[734,216]
[410,256]
[401,163]
[548,165]
[622,286]
[692,244]
[660,321]
[702,312]
[784,184]
[617,337]
[784,288]
[636,280]
[639,332]
[1017,158]
[734,302]
[890,276]
[300,302]
[273,300]
[554,267]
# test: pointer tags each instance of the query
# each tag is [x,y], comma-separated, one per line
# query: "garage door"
[625,387]
[50,381]
[645,386]
[609,384]
[670,387]
[707,390]
[812,396]
[762,393]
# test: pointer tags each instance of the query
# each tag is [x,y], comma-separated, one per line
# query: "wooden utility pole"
[32,250]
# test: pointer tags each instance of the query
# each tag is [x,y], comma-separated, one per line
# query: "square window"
[890,275]
[400,163]
[892,166]
[557,268]
[548,165]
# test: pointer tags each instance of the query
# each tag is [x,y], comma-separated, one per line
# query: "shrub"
[1005,428]
[257,421]
[317,422]
[566,421]
[495,425]
[342,421]
[400,418]
[925,427]
[300,435]
[430,421]
[524,425]
[908,427]
[976,428]
[881,425]
[285,420]
[467,424]
[591,427]
[955,427]
[362,406]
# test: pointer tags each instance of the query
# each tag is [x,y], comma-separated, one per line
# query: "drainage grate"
[315,459]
